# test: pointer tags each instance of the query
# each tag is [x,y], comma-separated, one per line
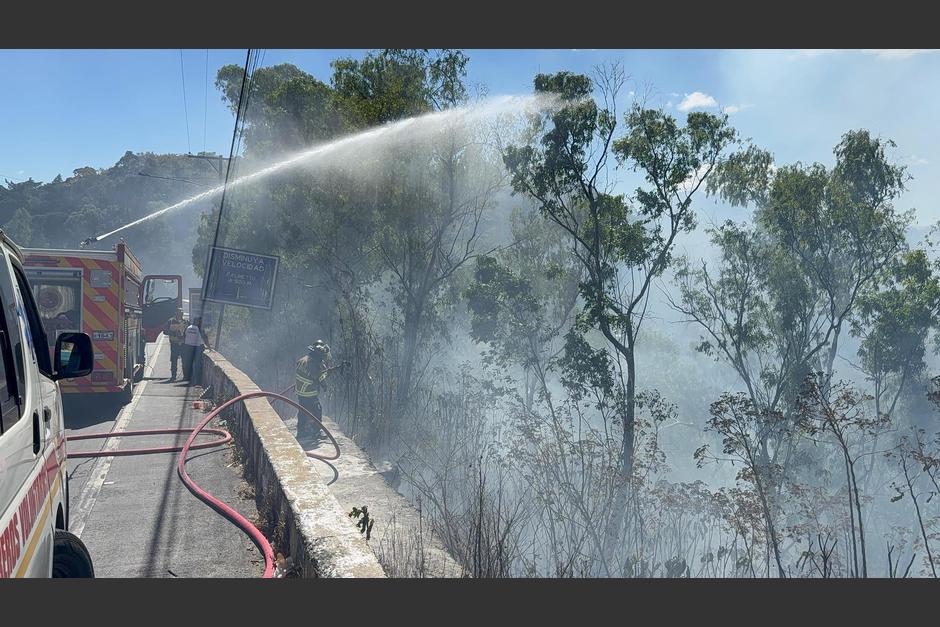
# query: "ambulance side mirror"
[74,356]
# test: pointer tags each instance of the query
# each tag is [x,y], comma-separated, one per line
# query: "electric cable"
[189,147]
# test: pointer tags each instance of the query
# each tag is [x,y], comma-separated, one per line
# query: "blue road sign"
[239,277]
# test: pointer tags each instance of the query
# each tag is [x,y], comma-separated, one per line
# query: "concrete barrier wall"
[303,518]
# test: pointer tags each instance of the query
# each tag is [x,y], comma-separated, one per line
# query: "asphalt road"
[133,513]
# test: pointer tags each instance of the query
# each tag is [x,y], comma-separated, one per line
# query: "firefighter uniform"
[174,328]
[310,372]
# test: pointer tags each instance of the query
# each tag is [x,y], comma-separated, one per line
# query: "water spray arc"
[403,129]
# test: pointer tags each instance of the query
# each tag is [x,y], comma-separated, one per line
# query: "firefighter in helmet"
[312,370]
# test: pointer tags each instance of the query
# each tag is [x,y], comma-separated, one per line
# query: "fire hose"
[227,512]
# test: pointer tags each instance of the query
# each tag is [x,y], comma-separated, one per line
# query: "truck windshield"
[157,290]
[58,295]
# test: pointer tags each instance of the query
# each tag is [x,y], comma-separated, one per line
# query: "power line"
[243,97]
[205,104]
[173,178]
[189,147]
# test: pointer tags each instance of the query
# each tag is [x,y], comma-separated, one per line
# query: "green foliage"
[788,285]
[587,371]
[503,305]
[287,109]
[744,177]
[895,321]
[521,299]
[394,84]
[365,520]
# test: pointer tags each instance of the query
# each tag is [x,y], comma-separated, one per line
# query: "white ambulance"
[34,502]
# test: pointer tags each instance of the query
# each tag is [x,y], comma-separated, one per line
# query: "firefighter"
[194,341]
[312,369]
[174,329]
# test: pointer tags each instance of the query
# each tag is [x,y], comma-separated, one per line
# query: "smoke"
[490,448]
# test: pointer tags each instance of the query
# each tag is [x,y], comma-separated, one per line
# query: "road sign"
[240,277]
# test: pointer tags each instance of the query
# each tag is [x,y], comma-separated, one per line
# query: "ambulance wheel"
[70,558]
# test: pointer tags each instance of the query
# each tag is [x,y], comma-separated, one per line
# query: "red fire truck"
[102,293]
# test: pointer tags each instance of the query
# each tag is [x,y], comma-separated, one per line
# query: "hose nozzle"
[86,242]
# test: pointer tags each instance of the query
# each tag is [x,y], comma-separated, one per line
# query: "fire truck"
[103,294]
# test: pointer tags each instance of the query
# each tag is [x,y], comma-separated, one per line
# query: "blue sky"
[62,109]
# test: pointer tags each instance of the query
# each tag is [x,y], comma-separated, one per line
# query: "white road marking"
[99,472]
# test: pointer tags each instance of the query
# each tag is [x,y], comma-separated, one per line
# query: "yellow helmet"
[319,347]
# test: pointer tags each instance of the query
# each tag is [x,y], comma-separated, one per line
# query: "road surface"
[133,513]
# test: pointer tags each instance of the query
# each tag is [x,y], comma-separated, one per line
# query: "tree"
[787,285]
[522,299]
[85,171]
[622,249]
[918,455]
[838,226]
[743,426]
[840,412]
[287,109]
[433,192]
[894,324]
[760,314]
[395,84]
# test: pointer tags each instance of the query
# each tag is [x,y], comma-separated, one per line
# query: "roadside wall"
[306,521]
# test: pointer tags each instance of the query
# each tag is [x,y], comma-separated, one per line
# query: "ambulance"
[34,499]
[102,293]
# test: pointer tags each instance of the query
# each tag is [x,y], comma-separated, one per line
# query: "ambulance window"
[9,410]
[37,334]
[13,341]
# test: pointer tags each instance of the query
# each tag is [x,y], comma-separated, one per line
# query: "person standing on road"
[174,329]
[194,341]
[312,369]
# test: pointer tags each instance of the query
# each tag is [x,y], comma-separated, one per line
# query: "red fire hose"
[226,438]
[227,512]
